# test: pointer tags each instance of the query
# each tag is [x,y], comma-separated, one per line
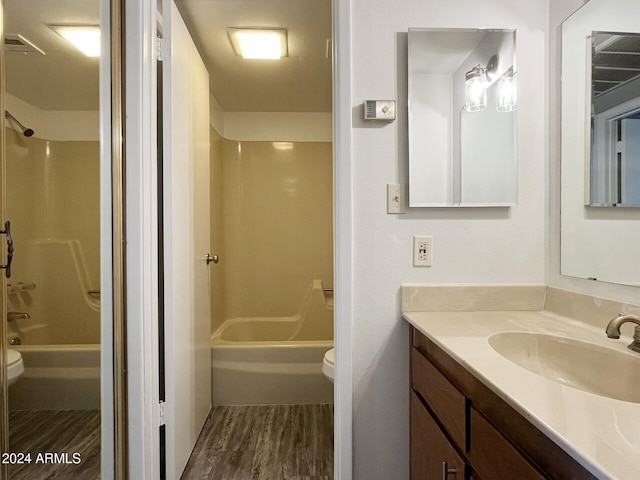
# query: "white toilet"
[15,366]
[328,364]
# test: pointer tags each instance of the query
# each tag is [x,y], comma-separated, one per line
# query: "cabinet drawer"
[448,404]
[493,456]
[429,447]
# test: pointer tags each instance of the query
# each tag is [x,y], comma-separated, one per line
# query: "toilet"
[328,364]
[15,366]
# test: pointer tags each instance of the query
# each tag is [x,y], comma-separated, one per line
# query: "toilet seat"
[328,364]
[15,365]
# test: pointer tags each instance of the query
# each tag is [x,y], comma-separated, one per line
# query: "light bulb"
[507,94]
[475,88]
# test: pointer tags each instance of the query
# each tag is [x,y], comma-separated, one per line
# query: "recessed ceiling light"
[259,43]
[85,38]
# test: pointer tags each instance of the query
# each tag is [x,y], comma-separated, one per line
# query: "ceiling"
[441,52]
[616,60]
[300,82]
[65,79]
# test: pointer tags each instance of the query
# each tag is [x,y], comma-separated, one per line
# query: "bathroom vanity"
[475,414]
[451,411]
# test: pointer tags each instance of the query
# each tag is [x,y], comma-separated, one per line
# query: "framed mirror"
[462,118]
[600,185]
[615,119]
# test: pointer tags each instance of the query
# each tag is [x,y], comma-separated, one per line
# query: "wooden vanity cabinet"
[455,418]
[431,451]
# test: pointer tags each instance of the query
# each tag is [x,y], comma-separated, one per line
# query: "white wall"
[470,245]
[559,10]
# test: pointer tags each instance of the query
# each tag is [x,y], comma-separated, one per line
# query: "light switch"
[396,198]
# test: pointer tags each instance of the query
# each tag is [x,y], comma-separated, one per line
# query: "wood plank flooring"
[264,442]
[55,432]
[270,442]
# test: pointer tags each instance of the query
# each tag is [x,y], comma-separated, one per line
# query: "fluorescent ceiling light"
[85,38]
[259,43]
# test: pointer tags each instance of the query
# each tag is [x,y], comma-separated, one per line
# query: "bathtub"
[57,377]
[275,360]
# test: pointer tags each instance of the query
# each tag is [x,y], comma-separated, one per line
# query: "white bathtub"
[57,377]
[275,360]
[258,374]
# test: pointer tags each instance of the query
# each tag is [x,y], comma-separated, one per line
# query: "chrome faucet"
[613,329]
[17,316]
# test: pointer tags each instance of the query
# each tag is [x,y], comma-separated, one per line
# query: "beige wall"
[53,205]
[276,223]
[216,270]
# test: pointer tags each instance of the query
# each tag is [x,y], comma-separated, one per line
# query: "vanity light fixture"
[85,38]
[475,85]
[259,43]
[507,92]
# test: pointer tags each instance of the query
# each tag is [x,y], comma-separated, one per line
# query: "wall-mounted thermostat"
[380,110]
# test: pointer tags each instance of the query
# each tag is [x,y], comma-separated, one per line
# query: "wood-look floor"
[55,431]
[264,442]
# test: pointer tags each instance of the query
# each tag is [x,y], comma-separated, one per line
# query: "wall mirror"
[462,118]
[600,186]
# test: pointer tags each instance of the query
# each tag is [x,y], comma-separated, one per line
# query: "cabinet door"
[444,399]
[493,456]
[430,448]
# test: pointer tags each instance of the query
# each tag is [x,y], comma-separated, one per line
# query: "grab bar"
[19,287]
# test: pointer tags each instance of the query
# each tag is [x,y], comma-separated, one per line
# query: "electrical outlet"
[422,251]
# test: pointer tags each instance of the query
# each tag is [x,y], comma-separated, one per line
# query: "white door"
[186,227]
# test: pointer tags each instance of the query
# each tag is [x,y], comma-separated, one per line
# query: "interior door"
[186,225]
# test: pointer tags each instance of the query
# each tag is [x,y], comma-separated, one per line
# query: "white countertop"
[602,434]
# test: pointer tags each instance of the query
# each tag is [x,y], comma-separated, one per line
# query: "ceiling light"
[259,43]
[85,38]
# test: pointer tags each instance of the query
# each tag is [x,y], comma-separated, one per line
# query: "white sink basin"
[582,365]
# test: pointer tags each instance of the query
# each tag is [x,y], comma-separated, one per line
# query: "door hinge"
[619,147]
[161,413]
[161,49]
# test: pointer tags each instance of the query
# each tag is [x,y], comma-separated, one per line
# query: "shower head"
[27,132]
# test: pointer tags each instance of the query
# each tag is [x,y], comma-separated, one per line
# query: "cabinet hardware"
[446,471]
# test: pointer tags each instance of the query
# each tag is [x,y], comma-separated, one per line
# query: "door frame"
[342,243]
[143,421]
[142,266]
[4,388]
